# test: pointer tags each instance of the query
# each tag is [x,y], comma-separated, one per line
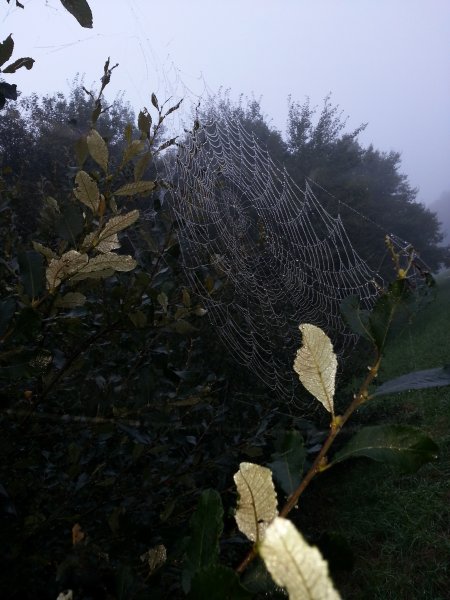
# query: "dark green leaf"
[356,318]
[144,122]
[287,463]
[80,10]
[257,580]
[26,62]
[70,223]
[403,447]
[6,49]
[32,272]
[124,582]
[206,526]
[417,380]
[380,319]
[217,582]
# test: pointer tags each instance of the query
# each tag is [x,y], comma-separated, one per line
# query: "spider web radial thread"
[262,254]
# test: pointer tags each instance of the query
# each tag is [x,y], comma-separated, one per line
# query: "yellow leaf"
[138,187]
[109,260]
[87,191]
[116,224]
[316,365]
[98,149]
[295,565]
[257,504]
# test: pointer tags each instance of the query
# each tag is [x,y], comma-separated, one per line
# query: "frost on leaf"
[316,365]
[98,149]
[295,565]
[257,504]
[70,263]
[87,191]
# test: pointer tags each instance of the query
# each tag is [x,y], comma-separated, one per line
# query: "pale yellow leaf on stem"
[316,365]
[294,564]
[257,504]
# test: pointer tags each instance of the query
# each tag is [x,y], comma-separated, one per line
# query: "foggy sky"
[386,62]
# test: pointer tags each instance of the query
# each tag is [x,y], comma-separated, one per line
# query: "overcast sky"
[386,62]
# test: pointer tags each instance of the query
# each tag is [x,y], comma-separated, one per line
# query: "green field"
[398,526]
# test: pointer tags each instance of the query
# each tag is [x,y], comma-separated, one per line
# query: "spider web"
[262,254]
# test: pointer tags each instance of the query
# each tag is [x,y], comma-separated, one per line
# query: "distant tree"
[364,185]
[442,208]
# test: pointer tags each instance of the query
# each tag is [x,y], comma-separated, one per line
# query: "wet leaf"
[70,263]
[418,380]
[287,463]
[294,564]
[87,191]
[138,187]
[257,503]
[98,149]
[116,224]
[316,365]
[206,526]
[403,447]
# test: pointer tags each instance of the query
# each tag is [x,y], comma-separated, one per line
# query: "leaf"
[155,101]
[98,149]
[106,245]
[403,447]
[144,122]
[26,62]
[257,503]
[206,526]
[141,165]
[87,191]
[357,319]
[116,224]
[31,267]
[70,223]
[110,260]
[47,252]
[6,49]
[138,187]
[155,558]
[80,10]
[418,380]
[70,263]
[217,582]
[294,564]
[133,149]
[81,150]
[163,301]
[70,300]
[316,365]
[287,463]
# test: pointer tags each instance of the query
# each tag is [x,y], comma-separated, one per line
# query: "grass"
[398,526]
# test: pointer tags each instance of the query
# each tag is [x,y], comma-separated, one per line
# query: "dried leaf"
[257,504]
[98,149]
[316,365]
[138,187]
[87,191]
[294,564]
[70,263]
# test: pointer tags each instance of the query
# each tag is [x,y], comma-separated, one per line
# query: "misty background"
[386,64]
